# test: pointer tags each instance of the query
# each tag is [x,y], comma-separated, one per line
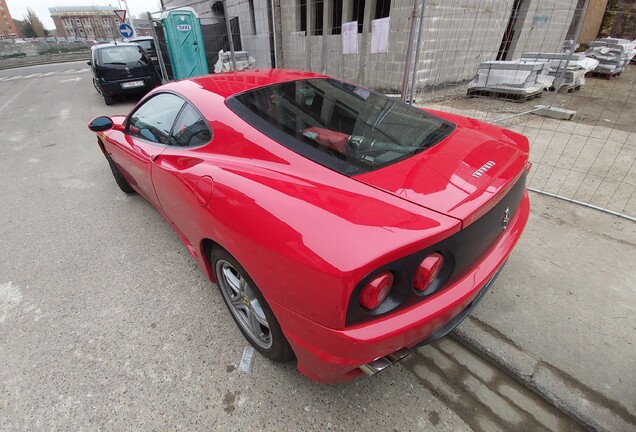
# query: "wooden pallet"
[569,89]
[602,75]
[511,97]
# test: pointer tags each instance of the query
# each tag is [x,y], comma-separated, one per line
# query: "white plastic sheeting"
[243,61]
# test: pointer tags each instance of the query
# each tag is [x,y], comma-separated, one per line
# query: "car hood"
[463,176]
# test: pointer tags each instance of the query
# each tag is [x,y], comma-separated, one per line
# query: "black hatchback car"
[121,69]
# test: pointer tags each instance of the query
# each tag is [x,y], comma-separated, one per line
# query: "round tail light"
[428,271]
[376,291]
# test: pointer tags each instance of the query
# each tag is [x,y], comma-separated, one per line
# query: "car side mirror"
[99,124]
[90,63]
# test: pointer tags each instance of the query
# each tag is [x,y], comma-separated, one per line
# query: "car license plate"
[132,84]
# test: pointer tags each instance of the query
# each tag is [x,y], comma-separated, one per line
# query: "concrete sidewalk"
[560,318]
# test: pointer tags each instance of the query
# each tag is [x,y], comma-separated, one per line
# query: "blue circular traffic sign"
[125,30]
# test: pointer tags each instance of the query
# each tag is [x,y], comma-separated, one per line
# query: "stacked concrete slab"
[565,70]
[512,80]
[613,55]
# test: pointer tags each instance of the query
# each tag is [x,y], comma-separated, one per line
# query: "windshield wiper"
[117,63]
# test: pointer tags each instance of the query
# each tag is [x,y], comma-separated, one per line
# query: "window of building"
[252,15]
[382,8]
[302,4]
[77,21]
[358,14]
[319,7]
[336,17]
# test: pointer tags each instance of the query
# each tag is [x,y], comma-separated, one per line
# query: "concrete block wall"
[458,36]
[544,26]
[323,54]
[256,43]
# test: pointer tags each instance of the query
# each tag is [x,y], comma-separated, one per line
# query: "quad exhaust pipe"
[382,363]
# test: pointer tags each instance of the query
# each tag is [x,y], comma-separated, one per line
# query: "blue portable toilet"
[184,40]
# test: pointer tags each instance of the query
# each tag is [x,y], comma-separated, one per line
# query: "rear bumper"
[328,355]
[113,88]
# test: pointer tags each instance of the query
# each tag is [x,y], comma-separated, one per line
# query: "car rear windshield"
[145,44]
[339,125]
[121,55]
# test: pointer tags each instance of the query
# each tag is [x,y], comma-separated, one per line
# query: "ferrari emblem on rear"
[485,167]
[506,218]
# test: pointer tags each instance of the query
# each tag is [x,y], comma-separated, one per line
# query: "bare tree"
[33,26]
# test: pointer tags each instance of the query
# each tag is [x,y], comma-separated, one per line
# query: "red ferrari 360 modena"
[342,227]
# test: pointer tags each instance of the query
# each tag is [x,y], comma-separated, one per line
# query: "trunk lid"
[463,176]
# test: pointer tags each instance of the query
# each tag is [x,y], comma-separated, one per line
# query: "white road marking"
[48,73]
[14,77]
[15,96]
[71,79]
[4,78]
[10,298]
[64,114]
[31,76]
[69,71]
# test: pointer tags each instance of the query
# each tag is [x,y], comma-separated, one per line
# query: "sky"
[18,8]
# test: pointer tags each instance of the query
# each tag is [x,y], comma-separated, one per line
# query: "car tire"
[119,177]
[248,307]
[108,100]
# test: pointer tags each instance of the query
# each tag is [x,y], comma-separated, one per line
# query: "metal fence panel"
[589,159]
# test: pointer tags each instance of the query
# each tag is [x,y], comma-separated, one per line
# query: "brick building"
[85,22]
[141,27]
[8,29]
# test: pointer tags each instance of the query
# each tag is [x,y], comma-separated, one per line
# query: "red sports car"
[342,227]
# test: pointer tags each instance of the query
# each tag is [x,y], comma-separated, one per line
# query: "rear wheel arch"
[279,349]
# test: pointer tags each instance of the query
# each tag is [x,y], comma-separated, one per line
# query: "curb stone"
[587,406]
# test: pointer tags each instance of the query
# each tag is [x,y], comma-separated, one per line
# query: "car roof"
[112,45]
[228,84]
[140,38]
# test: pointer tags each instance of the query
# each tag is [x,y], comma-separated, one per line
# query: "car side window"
[153,120]
[190,129]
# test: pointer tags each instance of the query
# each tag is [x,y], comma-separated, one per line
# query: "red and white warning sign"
[121,15]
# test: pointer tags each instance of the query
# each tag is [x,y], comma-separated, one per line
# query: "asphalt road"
[106,323]
[45,70]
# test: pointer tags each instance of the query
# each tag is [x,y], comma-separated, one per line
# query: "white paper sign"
[298,42]
[350,37]
[380,35]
